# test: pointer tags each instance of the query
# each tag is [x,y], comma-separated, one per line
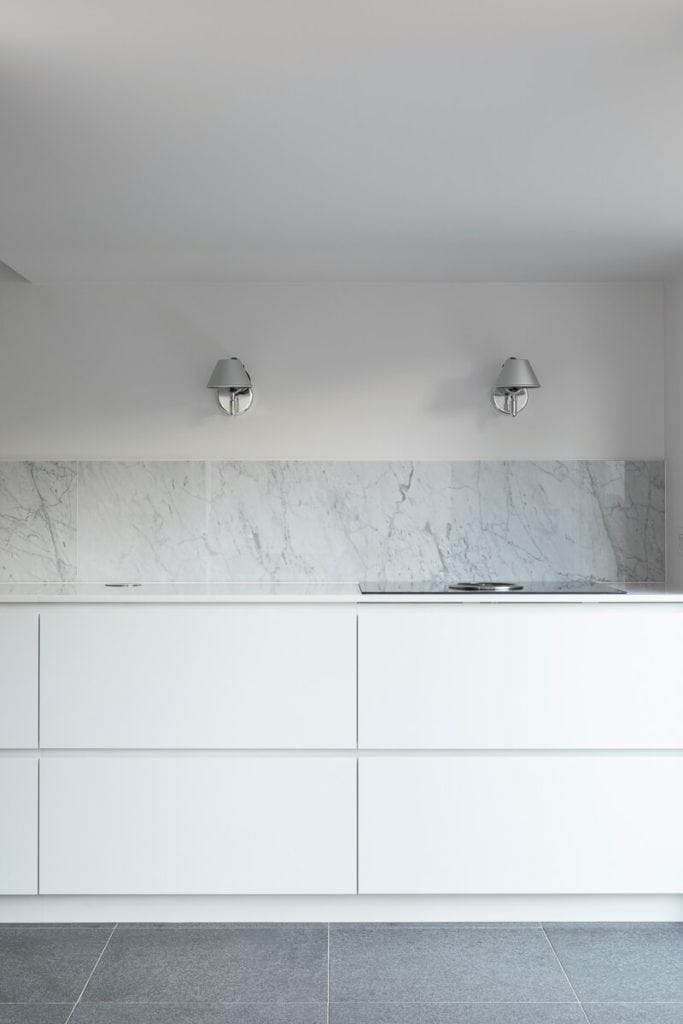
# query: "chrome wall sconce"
[233,386]
[511,394]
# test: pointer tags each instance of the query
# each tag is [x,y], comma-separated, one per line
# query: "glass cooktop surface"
[485,587]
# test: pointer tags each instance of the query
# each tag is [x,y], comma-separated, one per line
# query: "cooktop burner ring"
[485,588]
[525,588]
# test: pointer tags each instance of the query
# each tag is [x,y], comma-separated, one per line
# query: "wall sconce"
[233,386]
[510,394]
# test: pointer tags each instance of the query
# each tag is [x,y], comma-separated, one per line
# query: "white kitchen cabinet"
[18,825]
[197,824]
[204,677]
[525,676]
[18,678]
[521,824]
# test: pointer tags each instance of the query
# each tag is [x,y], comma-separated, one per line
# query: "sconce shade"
[229,373]
[517,373]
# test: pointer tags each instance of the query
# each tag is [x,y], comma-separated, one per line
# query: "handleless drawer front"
[18,678]
[197,824]
[18,826]
[530,676]
[579,823]
[205,677]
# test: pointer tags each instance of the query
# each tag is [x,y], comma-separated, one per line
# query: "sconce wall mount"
[511,393]
[232,385]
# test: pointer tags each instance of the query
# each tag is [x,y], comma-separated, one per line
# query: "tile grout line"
[96,965]
[409,1002]
[327,1011]
[561,966]
[434,1002]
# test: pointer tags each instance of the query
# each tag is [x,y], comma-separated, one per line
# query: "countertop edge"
[347,594]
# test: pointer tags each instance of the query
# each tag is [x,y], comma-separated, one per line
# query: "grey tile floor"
[341,974]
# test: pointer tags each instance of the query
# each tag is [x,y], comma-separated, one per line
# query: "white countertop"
[297,593]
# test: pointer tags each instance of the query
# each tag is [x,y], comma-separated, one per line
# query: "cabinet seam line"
[38,780]
[39,694]
[357,680]
[357,826]
[38,828]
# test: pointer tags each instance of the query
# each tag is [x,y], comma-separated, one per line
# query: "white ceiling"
[231,139]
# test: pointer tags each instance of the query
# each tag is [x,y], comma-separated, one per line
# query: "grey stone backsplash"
[330,521]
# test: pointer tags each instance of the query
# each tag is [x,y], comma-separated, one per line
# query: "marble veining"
[241,522]
[38,521]
[142,521]
[516,520]
[341,521]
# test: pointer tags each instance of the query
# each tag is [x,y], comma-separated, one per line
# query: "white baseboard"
[38,909]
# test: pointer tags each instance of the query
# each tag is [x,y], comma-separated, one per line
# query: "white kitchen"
[341,513]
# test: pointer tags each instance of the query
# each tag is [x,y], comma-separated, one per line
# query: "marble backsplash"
[330,521]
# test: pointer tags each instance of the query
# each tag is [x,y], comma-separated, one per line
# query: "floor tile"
[629,963]
[443,963]
[457,1013]
[235,1013]
[213,964]
[47,964]
[634,1013]
[32,1013]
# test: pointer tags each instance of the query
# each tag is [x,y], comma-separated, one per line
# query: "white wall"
[347,371]
[674,431]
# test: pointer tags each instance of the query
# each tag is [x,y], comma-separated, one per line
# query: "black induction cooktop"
[499,589]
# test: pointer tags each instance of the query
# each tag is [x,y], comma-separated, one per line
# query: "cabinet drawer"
[198,677]
[18,678]
[136,824]
[521,824]
[19,825]
[528,676]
